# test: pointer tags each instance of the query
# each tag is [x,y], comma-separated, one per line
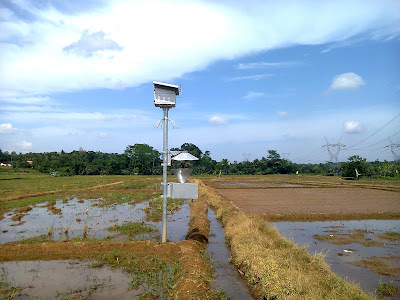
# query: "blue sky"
[262,75]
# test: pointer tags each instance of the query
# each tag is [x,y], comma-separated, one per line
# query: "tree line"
[143,159]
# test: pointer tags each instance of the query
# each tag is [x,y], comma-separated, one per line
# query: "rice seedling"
[66,229]
[50,230]
[85,231]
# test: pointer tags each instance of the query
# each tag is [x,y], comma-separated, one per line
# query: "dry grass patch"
[274,267]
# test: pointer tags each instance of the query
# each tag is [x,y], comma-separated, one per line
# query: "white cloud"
[103,135]
[281,113]
[353,127]
[347,81]
[119,44]
[90,43]
[21,146]
[253,95]
[218,120]
[264,64]
[84,119]
[251,77]
[39,100]
[7,128]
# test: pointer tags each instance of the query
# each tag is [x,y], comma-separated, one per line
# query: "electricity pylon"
[333,150]
[393,146]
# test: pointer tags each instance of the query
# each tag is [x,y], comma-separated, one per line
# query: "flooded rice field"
[67,279]
[365,251]
[68,220]
[76,279]
[227,276]
[87,218]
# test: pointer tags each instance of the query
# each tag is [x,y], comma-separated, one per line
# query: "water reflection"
[78,215]
[357,241]
[227,277]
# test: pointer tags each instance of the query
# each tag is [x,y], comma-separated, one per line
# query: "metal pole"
[165,170]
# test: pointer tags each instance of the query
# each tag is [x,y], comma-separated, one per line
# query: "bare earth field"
[313,200]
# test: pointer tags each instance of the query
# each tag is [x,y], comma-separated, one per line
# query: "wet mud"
[66,279]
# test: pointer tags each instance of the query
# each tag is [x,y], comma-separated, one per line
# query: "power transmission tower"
[333,150]
[246,156]
[393,146]
[286,155]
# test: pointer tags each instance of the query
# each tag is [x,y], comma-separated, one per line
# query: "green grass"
[35,240]
[28,187]
[7,289]
[321,237]
[386,289]
[156,276]
[393,236]
[154,210]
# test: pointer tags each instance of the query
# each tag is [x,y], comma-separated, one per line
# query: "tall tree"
[144,158]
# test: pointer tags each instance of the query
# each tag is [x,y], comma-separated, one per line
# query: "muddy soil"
[313,200]
[188,252]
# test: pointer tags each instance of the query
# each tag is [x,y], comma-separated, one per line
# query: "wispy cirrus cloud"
[251,77]
[251,95]
[37,100]
[265,65]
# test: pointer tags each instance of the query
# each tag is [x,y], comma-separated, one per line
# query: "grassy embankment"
[274,267]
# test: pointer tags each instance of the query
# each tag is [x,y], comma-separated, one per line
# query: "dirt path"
[313,200]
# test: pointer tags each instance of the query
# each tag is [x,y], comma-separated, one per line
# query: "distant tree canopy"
[145,160]
[355,164]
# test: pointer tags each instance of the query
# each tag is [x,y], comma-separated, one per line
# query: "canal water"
[227,276]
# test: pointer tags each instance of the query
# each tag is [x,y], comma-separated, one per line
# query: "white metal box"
[182,190]
[165,94]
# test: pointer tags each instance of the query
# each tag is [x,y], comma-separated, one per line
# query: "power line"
[375,143]
[375,132]
[307,154]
